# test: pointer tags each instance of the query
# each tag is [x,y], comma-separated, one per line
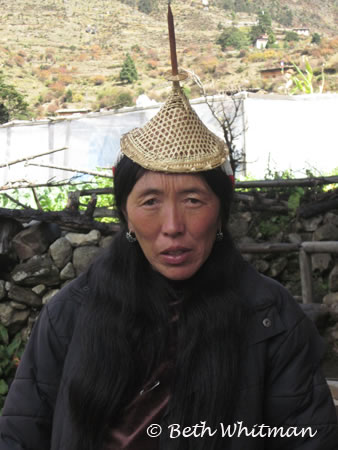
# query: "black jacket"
[281,383]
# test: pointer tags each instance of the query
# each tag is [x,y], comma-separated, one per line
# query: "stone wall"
[40,259]
[249,227]
[49,259]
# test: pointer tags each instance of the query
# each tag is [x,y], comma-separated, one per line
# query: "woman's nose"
[172,221]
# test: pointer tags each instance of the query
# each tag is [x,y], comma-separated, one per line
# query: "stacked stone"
[49,260]
[245,227]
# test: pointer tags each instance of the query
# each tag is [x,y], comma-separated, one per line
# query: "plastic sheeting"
[281,133]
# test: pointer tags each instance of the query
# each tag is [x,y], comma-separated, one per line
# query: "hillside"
[69,53]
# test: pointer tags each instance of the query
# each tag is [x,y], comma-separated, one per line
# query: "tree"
[291,36]
[128,72]
[271,40]
[264,21]
[316,38]
[230,119]
[233,37]
[147,6]
[12,103]
[285,17]
[229,113]
[237,5]
[263,26]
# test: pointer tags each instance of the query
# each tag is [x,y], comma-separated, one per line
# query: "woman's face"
[175,218]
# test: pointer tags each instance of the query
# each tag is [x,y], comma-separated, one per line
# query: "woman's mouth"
[175,256]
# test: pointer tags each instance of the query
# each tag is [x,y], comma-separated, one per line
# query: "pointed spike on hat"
[172,41]
[175,140]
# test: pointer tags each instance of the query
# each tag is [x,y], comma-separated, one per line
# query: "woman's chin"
[177,273]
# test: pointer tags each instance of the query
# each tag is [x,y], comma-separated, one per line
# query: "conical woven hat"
[175,140]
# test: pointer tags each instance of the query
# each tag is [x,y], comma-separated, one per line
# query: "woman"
[170,328]
[170,340]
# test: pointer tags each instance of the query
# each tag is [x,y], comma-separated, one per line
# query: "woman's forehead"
[171,182]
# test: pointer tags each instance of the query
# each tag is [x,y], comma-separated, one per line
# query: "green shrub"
[316,38]
[124,99]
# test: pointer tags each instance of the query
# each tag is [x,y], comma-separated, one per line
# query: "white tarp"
[295,133]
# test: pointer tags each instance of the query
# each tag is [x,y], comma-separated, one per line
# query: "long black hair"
[128,328]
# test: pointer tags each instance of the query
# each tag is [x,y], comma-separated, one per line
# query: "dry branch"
[27,158]
[301,182]
[320,207]
[68,169]
[97,191]
[12,199]
[36,198]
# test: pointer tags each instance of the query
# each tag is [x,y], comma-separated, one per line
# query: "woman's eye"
[150,202]
[194,201]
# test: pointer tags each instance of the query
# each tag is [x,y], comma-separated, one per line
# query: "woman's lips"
[175,255]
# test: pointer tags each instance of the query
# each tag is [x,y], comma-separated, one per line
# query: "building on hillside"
[276,72]
[302,31]
[262,41]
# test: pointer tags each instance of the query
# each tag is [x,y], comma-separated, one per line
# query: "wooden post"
[306,276]
[73,202]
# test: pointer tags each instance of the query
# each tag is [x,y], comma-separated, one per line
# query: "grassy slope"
[45,50]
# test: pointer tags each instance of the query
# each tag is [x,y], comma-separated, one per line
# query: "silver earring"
[130,237]
[219,236]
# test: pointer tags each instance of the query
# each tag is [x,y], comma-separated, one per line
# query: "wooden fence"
[305,250]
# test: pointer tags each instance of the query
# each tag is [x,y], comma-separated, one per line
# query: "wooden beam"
[286,183]
[269,248]
[320,247]
[67,220]
[306,276]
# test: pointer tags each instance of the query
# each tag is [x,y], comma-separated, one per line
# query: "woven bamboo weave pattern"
[175,139]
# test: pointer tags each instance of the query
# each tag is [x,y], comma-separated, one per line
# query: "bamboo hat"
[175,139]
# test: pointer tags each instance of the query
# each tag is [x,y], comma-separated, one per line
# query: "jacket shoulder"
[273,309]
[64,307]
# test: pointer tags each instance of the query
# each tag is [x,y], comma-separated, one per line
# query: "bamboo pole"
[27,158]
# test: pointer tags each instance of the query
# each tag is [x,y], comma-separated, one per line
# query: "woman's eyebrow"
[149,191]
[184,191]
[193,190]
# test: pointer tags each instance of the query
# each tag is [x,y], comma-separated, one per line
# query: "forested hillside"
[70,53]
